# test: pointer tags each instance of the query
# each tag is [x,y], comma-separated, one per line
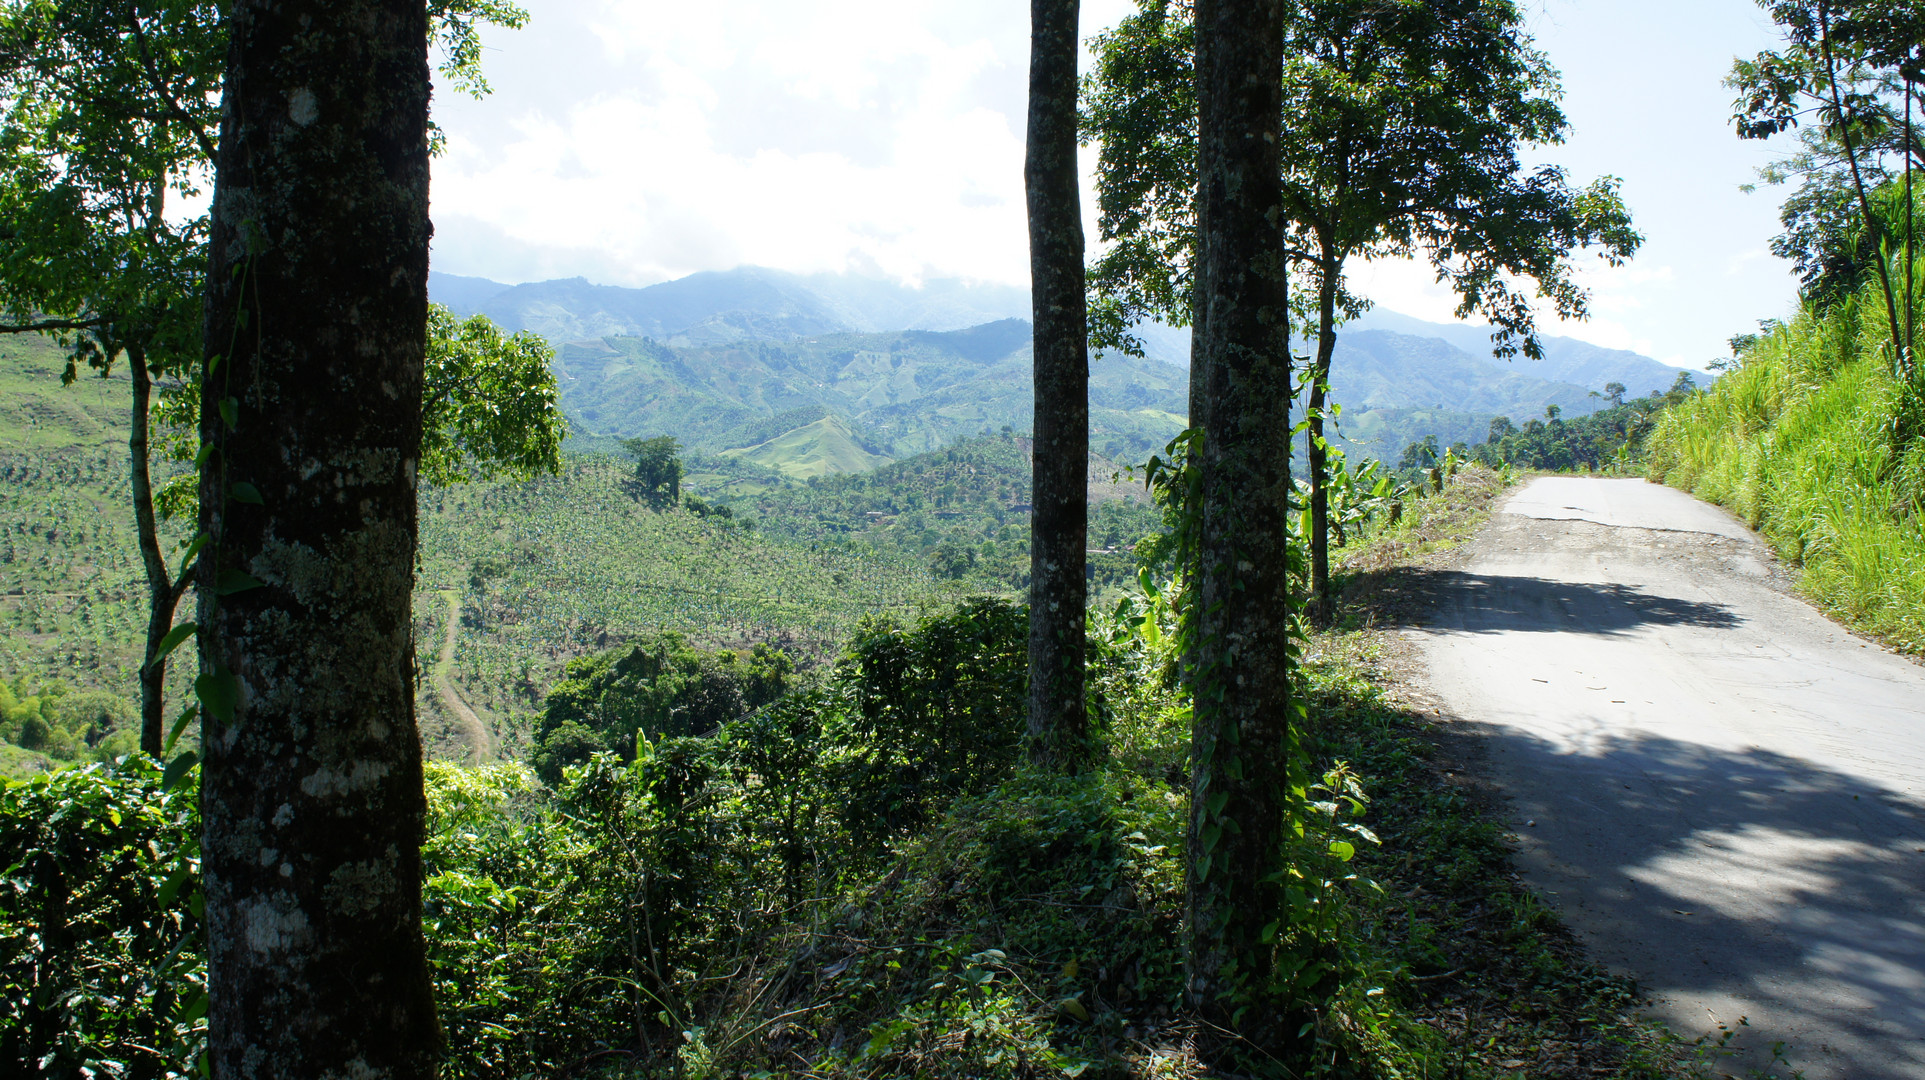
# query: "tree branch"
[160,87]
[47,325]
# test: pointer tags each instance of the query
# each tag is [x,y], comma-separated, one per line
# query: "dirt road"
[1721,790]
[481,748]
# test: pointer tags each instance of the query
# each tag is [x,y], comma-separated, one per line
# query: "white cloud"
[852,133]
[633,143]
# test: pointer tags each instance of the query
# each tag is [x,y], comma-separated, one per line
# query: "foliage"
[65,724]
[558,567]
[1357,495]
[1846,76]
[489,404]
[1812,440]
[107,143]
[658,470]
[72,599]
[654,688]
[936,710]
[781,898]
[1609,439]
[1404,125]
[1404,122]
[961,510]
[101,949]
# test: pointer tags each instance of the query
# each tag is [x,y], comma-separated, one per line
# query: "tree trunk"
[162,595]
[1901,360]
[1060,496]
[311,405]
[1322,604]
[1242,691]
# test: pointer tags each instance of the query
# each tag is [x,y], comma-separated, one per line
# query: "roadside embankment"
[1816,444]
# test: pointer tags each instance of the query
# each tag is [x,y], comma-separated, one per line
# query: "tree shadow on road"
[1709,872]
[1482,603]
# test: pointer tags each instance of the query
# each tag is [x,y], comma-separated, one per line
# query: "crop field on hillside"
[551,569]
[542,571]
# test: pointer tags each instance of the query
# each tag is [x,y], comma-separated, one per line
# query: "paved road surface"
[1722,791]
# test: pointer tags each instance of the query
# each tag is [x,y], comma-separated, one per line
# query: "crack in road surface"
[1740,824]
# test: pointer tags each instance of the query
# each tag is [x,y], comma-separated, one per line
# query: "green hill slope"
[551,569]
[541,571]
[818,449]
[71,588]
[1814,443]
[898,394]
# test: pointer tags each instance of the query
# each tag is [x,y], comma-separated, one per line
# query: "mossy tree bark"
[1241,726]
[311,406]
[1058,590]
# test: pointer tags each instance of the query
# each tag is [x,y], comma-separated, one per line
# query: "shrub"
[100,937]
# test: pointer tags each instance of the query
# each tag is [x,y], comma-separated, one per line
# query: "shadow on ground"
[1404,597]
[1742,874]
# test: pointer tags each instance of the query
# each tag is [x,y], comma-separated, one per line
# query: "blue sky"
[633,143]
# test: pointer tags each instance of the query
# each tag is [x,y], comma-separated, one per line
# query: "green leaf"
[187,716]
[1342,849]
[171,642]
[194,1009]
[172,887]
[245,492]
[218,692]
[229,582]
[1074,1008]
[193,551]
[178,768]
[230,412]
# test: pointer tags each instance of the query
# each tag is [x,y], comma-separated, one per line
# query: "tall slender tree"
[1406,122]
[1846,73]
[1241,645]
[311,424]
[1060,497]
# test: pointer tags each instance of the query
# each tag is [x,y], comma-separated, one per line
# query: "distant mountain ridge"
[1566,360]
[747,359]
[889,395]
[729,305]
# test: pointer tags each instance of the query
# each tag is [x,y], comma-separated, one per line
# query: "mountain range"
[836,373]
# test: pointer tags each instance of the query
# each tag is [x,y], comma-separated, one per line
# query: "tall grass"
[1817,443]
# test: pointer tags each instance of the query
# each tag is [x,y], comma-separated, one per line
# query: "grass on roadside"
[1814,443]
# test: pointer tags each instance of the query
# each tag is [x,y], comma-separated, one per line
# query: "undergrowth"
[863,880]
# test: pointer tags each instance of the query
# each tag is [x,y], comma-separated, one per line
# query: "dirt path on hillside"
[481,748]
[1722,791]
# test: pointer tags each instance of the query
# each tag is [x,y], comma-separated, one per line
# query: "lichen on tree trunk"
[311,405]
[1060,499]
[1241,643]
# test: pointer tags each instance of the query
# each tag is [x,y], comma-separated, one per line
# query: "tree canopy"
[658,470]
[1845,79]
[1406,120]
[1404,126]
